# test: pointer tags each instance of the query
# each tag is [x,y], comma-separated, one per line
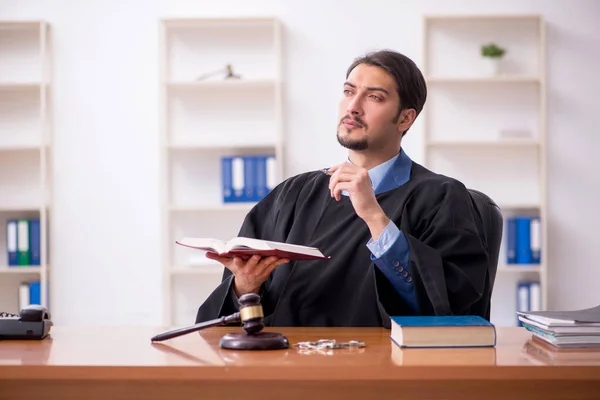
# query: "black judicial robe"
[448,254]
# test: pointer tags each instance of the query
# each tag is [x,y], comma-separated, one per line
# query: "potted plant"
[492,54]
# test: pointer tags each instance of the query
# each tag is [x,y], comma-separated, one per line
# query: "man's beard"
[353,144]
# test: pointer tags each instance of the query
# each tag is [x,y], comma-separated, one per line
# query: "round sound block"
[256,341]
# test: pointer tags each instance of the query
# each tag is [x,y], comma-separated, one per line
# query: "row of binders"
[523,240]
[247,178]
[23,242]
[529,297]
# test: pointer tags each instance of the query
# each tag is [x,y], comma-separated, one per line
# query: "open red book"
[246,247]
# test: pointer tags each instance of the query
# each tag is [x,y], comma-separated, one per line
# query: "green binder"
[23,253]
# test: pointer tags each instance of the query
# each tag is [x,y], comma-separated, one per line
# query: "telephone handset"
[32,322]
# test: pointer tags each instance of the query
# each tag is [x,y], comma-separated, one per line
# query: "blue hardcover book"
[442,331]
[511,240]
[34,241]
[226,179]
[523,228]
[11,242]
[34,293]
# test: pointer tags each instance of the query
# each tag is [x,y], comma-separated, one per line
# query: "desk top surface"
[127,352]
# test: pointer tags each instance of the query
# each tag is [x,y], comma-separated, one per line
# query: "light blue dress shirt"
[391,252]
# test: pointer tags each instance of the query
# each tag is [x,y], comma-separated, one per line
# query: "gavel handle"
[189,329]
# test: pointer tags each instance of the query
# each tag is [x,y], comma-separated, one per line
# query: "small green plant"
[492,50]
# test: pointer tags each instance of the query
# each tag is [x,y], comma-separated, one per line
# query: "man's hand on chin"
[355,180]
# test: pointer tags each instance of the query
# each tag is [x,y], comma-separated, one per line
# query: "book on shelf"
[564,329]
[442,331]
[245,247]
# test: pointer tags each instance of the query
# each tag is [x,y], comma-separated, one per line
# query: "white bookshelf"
[25,149]
[202,121]
[489,130]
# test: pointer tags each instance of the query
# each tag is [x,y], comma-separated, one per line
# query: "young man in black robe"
[402,239]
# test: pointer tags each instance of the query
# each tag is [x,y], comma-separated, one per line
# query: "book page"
[295,248]
[215,245]
[240,243]
[257,244]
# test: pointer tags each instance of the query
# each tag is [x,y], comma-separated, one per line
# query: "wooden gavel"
[252,318]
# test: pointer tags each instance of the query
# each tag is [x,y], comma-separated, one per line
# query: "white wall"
[106,261]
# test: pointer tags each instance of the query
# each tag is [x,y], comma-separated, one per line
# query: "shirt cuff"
[394,263]
[236,299]
[387,238]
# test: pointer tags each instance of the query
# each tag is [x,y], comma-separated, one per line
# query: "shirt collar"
[398,168]
[378,173]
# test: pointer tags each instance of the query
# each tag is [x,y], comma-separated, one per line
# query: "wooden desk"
[103,363]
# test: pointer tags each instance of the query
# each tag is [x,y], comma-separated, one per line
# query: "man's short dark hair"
[410,83]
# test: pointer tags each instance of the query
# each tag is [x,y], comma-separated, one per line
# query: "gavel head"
[251,313]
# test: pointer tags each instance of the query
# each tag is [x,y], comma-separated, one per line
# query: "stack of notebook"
[565,329]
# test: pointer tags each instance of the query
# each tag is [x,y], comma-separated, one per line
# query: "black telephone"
[33,322]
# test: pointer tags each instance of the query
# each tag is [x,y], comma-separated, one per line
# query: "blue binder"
[511,240]
[34,293]
[34,241]
[249,178]
[523,229]
[226,180]
[261,177]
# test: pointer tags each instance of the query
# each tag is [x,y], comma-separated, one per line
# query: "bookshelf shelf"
[499,144]
[202,122]
[20,147]
[519,207]
[224,144]
[484,18]
[16,86]
[487,128]
[20,208]
[223,84]
[485,80]
[521,268]
[25,269]
[200,269]
[25,161]
[265,23]
[242,207]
